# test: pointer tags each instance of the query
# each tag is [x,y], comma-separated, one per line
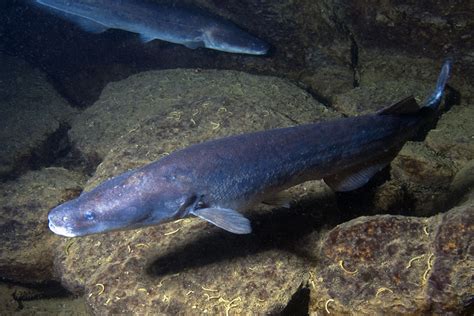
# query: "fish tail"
[434,99]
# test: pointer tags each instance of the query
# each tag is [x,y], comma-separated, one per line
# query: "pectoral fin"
[353,179]
[225,218]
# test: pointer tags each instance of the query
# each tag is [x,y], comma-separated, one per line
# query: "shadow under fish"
[192,28]
[214,180]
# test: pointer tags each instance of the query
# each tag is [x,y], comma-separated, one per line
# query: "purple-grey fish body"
[216,179]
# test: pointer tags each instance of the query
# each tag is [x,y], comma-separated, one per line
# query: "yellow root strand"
[413,259]
[326,305]
[428,269]
[311,280]
[425,230]
[208,297]
[231,305]
[175,115]
[383,289]
[141,245]
[215,125]
[171,233]
[68,245]
[167,278]
[341,264]
[101,288]
[209,290]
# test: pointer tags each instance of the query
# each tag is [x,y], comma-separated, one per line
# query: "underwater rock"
[26,240]
[414,27]
[424,176]
[169,93]
[31,116]
[453,137]
[463,182]
[395,264]
[371,97]
[329,81]
[422,173]
[385,78]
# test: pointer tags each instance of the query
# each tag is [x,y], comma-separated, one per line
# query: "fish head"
[125,202]
[234,40]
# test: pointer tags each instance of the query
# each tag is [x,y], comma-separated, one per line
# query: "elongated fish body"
[214,180]
[190,27]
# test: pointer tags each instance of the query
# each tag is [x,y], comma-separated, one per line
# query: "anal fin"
[280,199]
[353,178]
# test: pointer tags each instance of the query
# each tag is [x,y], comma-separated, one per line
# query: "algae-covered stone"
[422,173]
[30,111]
[395,264]
[453,137]
[25,250]
[123,105]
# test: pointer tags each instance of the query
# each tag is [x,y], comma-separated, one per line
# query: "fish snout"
[57,225]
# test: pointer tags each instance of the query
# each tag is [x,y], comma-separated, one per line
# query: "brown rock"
[394,264]
[25,251]
[160,94]
[31,111]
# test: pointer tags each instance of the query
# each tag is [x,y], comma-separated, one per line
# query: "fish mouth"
[60,230]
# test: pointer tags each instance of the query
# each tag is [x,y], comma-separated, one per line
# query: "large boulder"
[33,117]
[397,265]
[27,243]
[258,102]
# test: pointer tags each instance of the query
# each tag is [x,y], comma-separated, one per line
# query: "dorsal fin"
[405,106]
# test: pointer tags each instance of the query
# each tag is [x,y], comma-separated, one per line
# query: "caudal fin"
[433,100]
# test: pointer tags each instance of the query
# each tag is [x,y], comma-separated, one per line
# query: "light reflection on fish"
[190,27]
[214,180]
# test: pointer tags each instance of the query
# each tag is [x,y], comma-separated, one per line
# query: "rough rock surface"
[170,93]
[25,250]
[16,299]
[422,172]
[395,264]
[433,30]
[31,112]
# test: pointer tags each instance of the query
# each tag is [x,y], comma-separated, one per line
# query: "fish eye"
[89,215]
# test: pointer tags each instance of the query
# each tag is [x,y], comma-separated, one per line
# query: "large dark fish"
[190,27]
[216,179]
